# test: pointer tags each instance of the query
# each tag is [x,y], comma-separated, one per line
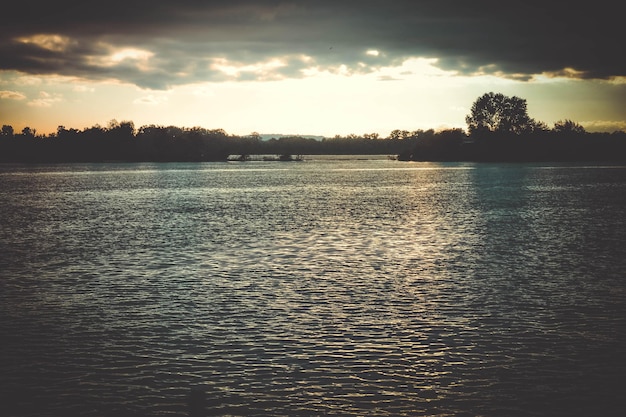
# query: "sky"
[310,67]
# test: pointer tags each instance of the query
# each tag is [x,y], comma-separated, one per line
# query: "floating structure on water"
[278,158]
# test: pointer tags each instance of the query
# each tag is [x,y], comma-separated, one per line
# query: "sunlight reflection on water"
[316,288]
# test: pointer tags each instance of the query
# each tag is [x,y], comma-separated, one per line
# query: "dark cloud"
[191,41]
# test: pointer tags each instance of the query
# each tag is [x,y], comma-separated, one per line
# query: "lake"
[332,286]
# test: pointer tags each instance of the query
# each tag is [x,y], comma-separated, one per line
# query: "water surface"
[327,287]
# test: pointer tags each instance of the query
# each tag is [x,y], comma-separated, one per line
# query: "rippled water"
[363,287]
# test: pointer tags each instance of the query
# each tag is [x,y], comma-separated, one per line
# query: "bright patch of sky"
[414,95]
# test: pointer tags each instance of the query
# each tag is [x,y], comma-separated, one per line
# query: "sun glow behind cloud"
[323,102]
[51,42]
[261,70]
[137,57]
[11,95]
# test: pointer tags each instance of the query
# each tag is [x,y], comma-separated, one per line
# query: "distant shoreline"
[156,144]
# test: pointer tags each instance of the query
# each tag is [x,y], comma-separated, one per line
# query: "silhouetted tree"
[121,137]
[495,112]
[445,145]
[27,132]
[7,131]
[568,126]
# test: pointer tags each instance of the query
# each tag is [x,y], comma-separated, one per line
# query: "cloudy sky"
[307,67]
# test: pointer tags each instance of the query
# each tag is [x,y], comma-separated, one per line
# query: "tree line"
[498,129]
[121,141]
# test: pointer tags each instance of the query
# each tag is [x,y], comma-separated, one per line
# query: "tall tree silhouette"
[495,112]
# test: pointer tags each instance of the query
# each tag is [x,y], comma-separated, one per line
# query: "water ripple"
[364,288]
